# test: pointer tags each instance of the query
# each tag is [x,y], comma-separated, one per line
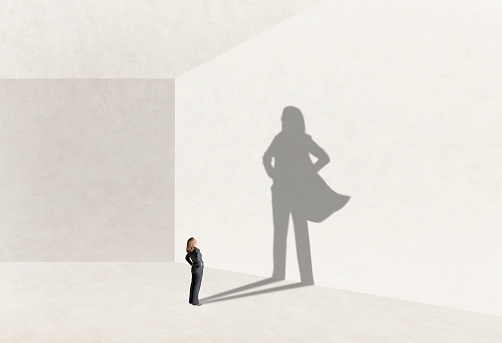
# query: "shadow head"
[292,120]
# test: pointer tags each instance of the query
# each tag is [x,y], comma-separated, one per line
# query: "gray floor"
[148,302]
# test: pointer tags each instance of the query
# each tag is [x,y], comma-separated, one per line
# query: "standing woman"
[194,258]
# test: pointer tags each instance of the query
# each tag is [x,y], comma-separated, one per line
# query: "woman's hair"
[190,244]
[292,120]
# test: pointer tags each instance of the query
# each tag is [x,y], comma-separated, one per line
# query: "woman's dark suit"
[194,259]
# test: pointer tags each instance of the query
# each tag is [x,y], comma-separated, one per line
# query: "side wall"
[405,98]
[87,170]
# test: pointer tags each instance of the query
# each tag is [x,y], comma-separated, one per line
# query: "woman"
[194,258]
[298,190]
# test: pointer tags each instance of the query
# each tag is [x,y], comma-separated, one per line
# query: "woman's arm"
[187,258]
[317,151]
[199,259]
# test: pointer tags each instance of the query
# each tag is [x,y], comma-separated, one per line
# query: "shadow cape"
[319,200]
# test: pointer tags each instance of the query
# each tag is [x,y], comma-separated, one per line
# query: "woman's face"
[194,242]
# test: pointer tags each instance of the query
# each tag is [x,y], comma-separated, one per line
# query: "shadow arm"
[267,161]
[320,154]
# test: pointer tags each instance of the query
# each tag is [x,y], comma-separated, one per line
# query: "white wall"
[127,39]
[87,170]
[405,98]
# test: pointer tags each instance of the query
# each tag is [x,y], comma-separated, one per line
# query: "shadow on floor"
[224,295]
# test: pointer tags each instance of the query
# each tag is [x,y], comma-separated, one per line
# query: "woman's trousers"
[195,285]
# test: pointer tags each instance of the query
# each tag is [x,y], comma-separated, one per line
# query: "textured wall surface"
[405,98]
[127,39]
[86,170]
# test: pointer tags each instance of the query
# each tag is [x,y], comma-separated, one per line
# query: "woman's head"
[191,244]
[292,120]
